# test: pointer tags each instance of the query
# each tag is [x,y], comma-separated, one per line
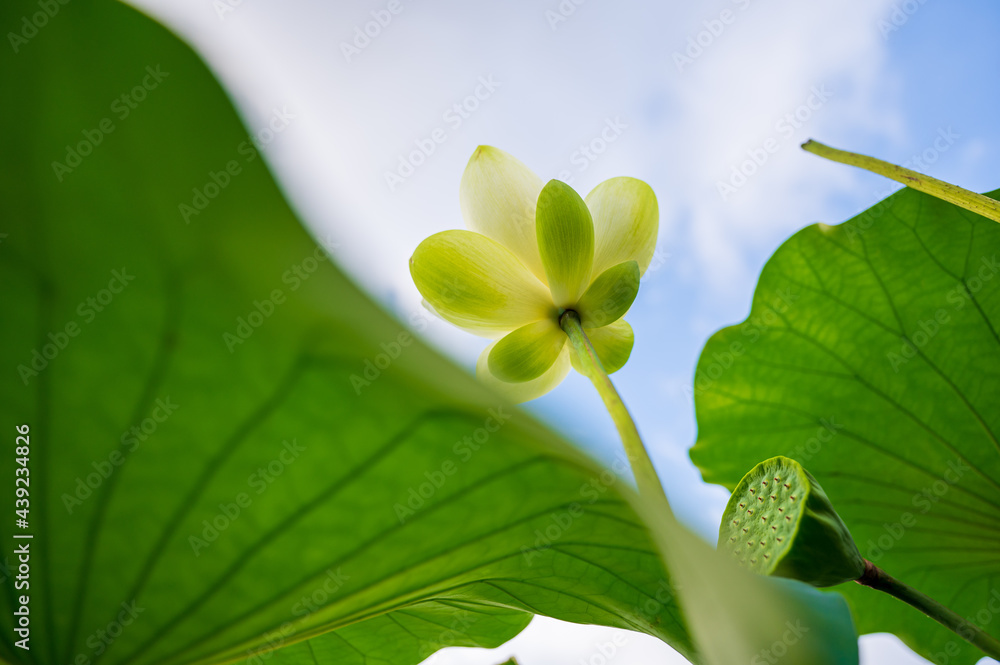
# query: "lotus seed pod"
[780,522]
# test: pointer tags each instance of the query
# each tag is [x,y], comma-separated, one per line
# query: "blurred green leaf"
[233,450]
[737,617]
[871,356]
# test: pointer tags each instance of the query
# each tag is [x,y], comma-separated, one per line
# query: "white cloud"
[547,642]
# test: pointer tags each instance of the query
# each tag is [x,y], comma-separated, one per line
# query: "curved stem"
[590,365]
[977,203]
[876,578]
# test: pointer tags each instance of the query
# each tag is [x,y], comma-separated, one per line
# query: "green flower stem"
[646,479]
[876,578]
[977,203]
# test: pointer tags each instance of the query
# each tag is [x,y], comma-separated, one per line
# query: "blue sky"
[677,94]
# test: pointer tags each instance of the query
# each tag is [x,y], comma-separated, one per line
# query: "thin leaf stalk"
[876,578]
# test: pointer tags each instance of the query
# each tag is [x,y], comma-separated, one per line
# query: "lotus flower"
[531,253]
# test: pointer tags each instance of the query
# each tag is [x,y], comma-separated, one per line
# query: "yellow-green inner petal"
[613,344]
[527,390]
[565,240]
[478,284]
[528,352]
[609,296]
[626,222]
[498,195]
